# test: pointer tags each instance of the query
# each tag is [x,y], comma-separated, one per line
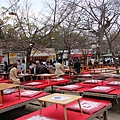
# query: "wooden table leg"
[0,97]
[118,102]
[36,78]
[47,78]
[80,106]
[105,115]
[65,115]
[31,78]
[19,92]
[24,79]
[40,107]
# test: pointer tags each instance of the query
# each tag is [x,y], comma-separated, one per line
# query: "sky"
[37,5]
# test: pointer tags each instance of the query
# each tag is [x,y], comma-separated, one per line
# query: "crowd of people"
[102,62]
[37,67]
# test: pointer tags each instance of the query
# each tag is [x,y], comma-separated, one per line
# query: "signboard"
[80,53]
[15,56]
[1,54]
[0,58]
[12,55]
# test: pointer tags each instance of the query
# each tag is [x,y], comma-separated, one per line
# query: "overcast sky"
[37,5]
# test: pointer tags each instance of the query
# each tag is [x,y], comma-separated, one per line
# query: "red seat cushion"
[33,83]
[29,93]
[70,87]
[87,106]
[114,83]
[92,81]
[101,89]
[57,79]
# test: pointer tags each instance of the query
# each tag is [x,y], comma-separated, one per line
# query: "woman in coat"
[59,68]
[13,74]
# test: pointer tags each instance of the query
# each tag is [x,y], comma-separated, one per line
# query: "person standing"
[43,68]
[59,68]
[19,66]
[95,63]
[13,74]
[35,69]
[23,67]
[9,67]
[76,66]
[5,67]
[90,64]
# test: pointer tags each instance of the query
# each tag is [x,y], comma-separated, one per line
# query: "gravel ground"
[16,113]
[113,113]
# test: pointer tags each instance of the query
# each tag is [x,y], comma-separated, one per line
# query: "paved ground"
[113,113]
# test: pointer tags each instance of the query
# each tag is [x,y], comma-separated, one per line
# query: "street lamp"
[52,41]
[12,13]
[52,38]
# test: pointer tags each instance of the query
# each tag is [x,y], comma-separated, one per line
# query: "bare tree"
[102,19]
[31,29]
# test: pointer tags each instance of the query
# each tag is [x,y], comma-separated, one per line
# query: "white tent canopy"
[107,55]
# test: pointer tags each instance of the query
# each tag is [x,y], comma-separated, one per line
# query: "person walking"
[5,67]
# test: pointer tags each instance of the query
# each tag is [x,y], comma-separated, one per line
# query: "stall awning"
[107,55]
[80,55]
[39,54]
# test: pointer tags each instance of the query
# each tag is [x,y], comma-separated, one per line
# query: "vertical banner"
[1,54]
[0,59]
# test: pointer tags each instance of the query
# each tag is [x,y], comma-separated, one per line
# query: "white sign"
[1,54]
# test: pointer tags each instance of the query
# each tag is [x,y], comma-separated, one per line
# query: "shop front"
[47,55]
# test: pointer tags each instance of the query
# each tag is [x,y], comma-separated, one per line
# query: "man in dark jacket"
[42,68]
[76,66]
[35,69]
